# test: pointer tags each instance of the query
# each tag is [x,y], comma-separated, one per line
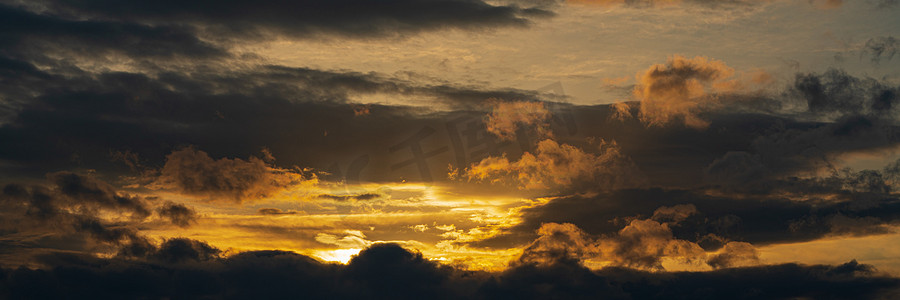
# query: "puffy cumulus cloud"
[181,268]
[735,254]
[685,90]
[194,172]
[507,118]
[560,166]
[680,89]
[640,244]
[558,242]
[644,242]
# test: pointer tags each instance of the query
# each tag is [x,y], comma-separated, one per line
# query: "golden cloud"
[508,117]
[557,165]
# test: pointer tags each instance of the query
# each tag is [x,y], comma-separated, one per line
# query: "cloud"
[189,270]
[73,194]
[170,251]
[345,18]
[79,189]
[149,113]
[640,244]
[193,172]
[686,90]
[359,197]
[763,212]
[276,211]
[881,47]
[72,213]
[178,214]
[560,166]
[507,118]
[674,214]
[680,89]
[836,92]
[37,36]
[735,254]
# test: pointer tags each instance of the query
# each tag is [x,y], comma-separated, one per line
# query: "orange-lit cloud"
[641,244]
[735,254]
[506,118]
[683,88]
[679,89]
[557,165]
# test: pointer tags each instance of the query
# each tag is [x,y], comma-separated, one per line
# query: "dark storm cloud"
[51,52]
[67,215]
[178,214]
[22,28]
[835,114]
[566,280]
[193,172]
[71,190]
[349,18]
[288,110]
[835,91]
[387,271]
[759,212]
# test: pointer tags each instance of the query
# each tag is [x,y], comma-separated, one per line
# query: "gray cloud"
[882,47]
[762,212]
[193,172]
[178,214]
[348,18]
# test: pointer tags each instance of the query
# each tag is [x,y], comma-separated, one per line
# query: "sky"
[460,149]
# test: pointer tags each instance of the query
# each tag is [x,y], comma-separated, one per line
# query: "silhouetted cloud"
[193,172]
[275,211]
[347,18]
[761,213]
[189,270]
[178,214]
